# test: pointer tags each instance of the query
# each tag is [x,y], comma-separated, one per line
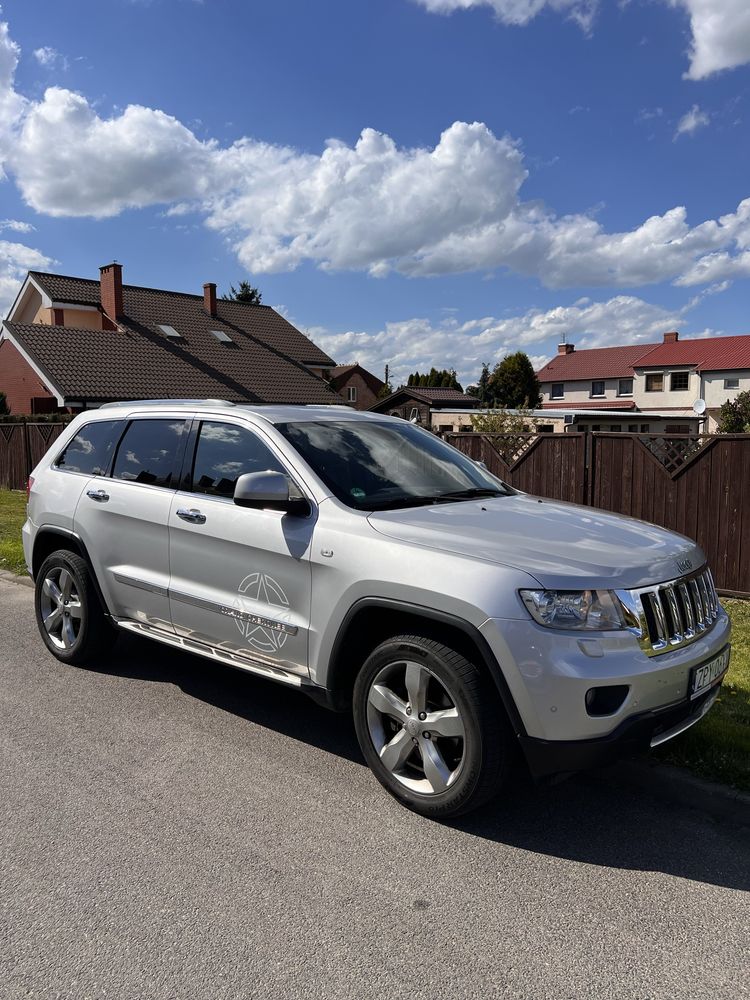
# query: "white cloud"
[50,58]
[15,260]
[691,121]
[720,35]
[12,105]
[418,344]
[519,12]
[16,226]
[370,206]
[720,29]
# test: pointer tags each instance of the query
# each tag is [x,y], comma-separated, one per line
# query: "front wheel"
[431,726]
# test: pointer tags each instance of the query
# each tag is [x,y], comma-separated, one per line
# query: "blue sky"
[414,182]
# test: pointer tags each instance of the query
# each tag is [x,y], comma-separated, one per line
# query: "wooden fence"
[21,447]
[699,486]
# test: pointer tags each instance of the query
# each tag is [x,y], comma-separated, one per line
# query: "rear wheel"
[69,615]
[431,726]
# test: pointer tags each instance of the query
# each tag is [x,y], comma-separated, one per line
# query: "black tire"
[486,749]
[85,632]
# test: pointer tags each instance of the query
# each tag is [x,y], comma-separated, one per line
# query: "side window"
[148,451]
[90,451]
[225,452]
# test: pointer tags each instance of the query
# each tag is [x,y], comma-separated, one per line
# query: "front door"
[240,578]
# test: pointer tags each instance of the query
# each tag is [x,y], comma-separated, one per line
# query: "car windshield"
[379,465]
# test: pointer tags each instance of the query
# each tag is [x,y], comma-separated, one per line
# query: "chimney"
[110,289]
[209,298]
[565,348]
[672,337]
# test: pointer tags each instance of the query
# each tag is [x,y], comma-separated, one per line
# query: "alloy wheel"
[416,727]
[61,608]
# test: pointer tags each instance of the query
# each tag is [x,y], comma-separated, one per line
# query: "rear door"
[240,578]
[122,518]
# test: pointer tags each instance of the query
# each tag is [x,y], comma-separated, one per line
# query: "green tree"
[245,293]
[734,415]
[513,383]
[445,378]
[481,390]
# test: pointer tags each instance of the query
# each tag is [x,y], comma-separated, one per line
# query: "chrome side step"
[210,652]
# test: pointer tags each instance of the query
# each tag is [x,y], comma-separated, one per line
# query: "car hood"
[562,545]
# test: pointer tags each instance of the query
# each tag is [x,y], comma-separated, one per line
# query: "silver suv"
[360,558]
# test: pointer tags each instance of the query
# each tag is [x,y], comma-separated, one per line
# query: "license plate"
[707,674]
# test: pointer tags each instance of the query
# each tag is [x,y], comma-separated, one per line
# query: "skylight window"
[169,331]
[221,336]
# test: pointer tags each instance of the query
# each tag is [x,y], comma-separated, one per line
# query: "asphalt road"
[174,829]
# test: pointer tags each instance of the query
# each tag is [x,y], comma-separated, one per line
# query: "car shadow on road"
[591,820]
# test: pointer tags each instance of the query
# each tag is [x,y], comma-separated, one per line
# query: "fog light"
[606,700]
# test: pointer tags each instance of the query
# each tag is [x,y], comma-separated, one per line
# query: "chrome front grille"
[672,614]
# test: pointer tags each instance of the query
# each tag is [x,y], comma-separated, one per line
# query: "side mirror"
[268,491]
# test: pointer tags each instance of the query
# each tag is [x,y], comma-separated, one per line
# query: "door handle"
[193,516]
[100,495]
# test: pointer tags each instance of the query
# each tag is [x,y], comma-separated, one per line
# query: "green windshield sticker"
[357,493]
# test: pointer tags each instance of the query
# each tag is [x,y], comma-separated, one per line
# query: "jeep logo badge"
[684,565]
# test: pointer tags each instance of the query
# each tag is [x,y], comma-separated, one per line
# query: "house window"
[625,387]
[222,336]
[632,428]
[169,331]
[644,428]
[351,394]
[731,383]
[677,429]
[655,382]
[596,427]
[679,381]
[414,415]
[615,427]
[546,428]
[597,388]
[557,391]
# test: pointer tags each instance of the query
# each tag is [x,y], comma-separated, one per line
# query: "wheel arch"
[371,620]
[50,539]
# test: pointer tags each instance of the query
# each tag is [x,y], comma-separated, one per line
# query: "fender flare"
[443,618]
[53,529]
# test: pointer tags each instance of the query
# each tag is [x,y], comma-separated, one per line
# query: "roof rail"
[168,402]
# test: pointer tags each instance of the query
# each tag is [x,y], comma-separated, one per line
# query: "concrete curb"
[674,784]
[24,581]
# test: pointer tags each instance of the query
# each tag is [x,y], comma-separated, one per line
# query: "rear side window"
[91,449]
[226,452]
[148,452]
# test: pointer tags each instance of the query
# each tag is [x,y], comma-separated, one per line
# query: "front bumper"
[633,736]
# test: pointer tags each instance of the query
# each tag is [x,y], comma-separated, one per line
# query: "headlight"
[598,610]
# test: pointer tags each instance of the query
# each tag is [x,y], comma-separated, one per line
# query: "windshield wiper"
[435,498]
[471,494]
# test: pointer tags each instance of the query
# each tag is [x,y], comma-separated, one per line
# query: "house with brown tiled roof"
[418,402]
[356,386]
[70,343]
[647,378]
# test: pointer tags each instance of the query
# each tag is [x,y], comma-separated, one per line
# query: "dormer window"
[221,336]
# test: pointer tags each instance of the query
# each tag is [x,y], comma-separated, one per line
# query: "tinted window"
[226,452]
[90,450]
[148,451]
[372,465]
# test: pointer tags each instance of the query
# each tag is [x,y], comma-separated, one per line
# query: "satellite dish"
[699,407]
